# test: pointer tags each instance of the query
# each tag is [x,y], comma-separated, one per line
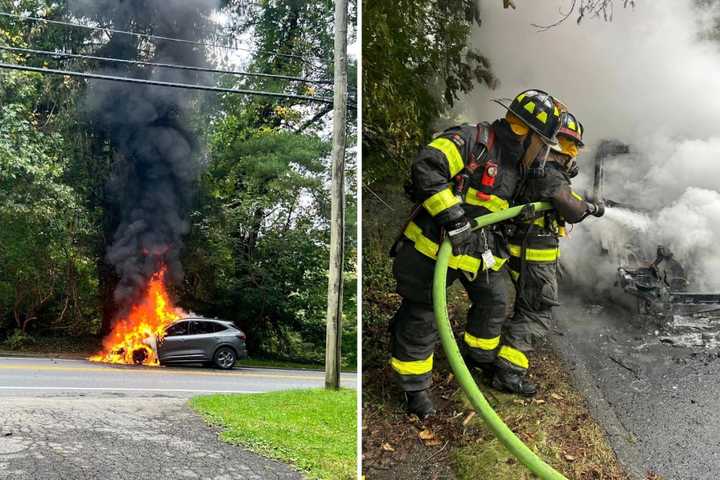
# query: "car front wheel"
[224,358]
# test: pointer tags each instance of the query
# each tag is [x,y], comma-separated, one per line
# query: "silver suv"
[202,340]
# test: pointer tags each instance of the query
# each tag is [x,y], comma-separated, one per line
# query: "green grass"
[313,429]
[270,363]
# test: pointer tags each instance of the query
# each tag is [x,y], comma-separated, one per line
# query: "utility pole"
[337,200]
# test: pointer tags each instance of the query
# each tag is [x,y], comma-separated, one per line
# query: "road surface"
[76,420]
[43,376]
[660,404]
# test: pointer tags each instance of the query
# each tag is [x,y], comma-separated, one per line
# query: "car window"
[198,327]
[177,330]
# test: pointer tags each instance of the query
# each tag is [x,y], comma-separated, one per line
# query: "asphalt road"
[659,403]
[43,376]
[76,420]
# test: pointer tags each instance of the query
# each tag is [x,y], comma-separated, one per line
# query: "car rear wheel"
[225,358]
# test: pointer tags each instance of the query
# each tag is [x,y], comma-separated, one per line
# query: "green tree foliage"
[257,250]
[416,63]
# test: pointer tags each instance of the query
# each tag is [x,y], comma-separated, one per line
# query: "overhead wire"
[50,53]
[306,60]
[189,86]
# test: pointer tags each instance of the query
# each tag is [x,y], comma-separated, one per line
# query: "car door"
[203,339]
[173,346]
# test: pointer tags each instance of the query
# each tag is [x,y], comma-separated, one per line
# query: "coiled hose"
[521,451]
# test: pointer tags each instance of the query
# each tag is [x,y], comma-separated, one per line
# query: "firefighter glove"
[597,209]
[461,236]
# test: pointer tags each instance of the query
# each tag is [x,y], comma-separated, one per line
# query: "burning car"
[202,340]
[154,331]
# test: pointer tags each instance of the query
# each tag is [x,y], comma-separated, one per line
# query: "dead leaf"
[432,443]
[387,447]
[569,458]
[538,401]
[450,378]
[556,396]
[426,435]
[469,417]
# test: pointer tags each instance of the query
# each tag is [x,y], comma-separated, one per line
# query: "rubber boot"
[488,369]
[507,380]
[420,403]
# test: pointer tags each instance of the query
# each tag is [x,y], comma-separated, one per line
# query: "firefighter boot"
[420,403]
[487,369]
[511,381]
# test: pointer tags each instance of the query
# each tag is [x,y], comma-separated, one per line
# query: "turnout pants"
[413,332]
[537,293]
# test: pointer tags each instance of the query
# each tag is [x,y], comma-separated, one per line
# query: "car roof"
[203,319]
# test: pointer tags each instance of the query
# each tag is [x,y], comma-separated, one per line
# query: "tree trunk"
[337,213]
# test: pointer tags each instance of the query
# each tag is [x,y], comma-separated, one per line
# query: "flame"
[133,339]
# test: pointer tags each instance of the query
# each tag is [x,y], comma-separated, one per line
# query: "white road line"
[126,389]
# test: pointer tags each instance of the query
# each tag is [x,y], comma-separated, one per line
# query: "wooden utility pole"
[337,199]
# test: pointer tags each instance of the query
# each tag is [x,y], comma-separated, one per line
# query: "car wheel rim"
[225,359]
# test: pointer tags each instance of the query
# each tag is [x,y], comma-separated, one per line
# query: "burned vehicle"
[657,291]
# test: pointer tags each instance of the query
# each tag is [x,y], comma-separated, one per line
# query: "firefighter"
[534,246]
[466,171]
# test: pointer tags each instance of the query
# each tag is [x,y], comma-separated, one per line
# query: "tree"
[416,63]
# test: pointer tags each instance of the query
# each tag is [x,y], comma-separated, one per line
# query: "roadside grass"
[270,363]
[556,425]
[313,429]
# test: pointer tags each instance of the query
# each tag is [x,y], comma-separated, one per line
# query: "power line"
[163,65]
[163,84]
[157,37]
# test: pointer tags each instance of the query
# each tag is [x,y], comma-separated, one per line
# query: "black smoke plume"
[155,153]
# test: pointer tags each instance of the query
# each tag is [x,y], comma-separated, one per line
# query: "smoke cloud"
[648,79]
[155,163]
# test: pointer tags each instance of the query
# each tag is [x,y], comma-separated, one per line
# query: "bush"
[18,340]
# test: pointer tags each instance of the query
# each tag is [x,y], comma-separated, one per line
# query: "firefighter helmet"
[571,127]
[537,109]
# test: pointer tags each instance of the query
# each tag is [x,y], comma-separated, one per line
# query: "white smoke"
[647,79]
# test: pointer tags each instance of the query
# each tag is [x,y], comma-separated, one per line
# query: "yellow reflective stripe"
[535,254]
[515,275]
[530,107]
[494,204]
[451,152]
[442,200]
[482,343]
[422,244]
[561,231]
[542,116]
[429,248]
[514,356]
[540,222]
[465,262]
[499,262]
[417,367]
[576,195]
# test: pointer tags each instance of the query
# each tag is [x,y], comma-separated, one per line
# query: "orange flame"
[133,339]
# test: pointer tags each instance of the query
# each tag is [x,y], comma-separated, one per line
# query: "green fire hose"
[528,458]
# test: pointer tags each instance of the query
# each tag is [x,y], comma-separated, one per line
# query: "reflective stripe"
[451,152]
[482,343]
[535,254]
[422,244]
[514,356]
[540,222]
[442,200]
[576,195]
[494,204]
[417,367]
[429,248]
[515,275]
[465,262]
[542,116]
[562,232]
